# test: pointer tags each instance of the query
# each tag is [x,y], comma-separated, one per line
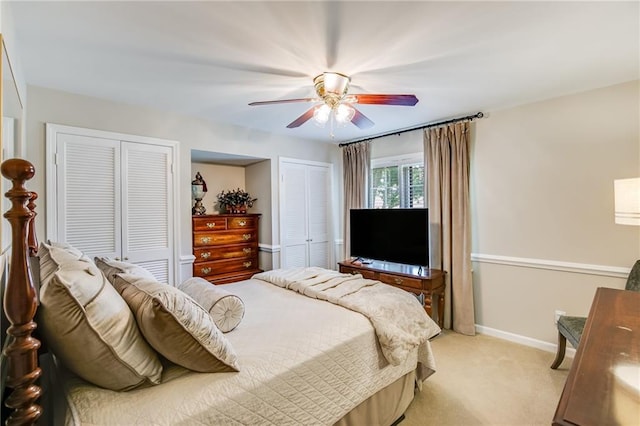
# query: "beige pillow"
[52,255]
[112,267]
[226,309]
[176,326]
[91,329]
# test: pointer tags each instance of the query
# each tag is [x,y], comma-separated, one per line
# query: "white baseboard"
[523,340]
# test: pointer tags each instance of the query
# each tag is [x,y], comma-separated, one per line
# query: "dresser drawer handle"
[246,250]
[397,280]
[206,270]
[246,237]
[205,240]
[211,225]
[205,255]
[242,223]
[247,264]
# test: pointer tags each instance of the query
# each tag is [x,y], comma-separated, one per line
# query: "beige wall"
[542,196]
[260,184]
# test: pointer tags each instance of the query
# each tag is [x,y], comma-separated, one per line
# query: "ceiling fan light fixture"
[336,83]
[344,114]
[321,114]
[336,107]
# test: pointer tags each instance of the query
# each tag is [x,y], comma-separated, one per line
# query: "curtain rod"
[424,126]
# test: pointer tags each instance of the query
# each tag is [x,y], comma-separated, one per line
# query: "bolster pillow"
[225,308]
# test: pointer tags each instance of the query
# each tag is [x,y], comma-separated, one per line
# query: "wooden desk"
[427,282]
[596,392]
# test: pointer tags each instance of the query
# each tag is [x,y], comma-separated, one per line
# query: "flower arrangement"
[235,201]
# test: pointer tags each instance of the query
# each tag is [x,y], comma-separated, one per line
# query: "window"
[397,182]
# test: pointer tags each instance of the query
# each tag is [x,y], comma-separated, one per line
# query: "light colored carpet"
[482,380]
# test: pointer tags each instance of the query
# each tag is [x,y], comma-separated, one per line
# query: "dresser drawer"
[209,223]
[205,269]
[398,280]
[242,222]
[231,252]
[372,275]
[201,239]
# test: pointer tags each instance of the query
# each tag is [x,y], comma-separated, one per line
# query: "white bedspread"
[302,362]
[400,321]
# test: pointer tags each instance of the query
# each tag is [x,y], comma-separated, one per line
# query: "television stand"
[418,280]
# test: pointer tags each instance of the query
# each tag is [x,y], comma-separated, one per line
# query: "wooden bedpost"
[20,301]
[32,241]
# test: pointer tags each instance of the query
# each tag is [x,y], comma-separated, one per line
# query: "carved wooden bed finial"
[21,300]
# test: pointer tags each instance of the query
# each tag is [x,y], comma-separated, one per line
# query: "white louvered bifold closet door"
[88,194]
[147,204]
[115,199]
[304,214]
[293,214]
[318,188]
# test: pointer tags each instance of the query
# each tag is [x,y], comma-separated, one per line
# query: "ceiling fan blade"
[403,100]
[283,101]
[302,119]
[361,120]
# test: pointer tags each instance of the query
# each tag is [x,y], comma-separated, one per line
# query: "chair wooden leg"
[562,346]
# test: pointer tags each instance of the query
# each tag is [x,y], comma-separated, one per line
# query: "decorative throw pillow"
[111,267]
[52,255]
[226,309]
[176,326]
[90,328]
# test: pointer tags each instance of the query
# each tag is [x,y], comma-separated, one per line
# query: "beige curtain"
[446,151]
[356,163]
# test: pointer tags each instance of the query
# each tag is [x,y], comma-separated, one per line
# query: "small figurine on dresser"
[198,191]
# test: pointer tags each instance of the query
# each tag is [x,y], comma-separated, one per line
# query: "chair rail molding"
[267,248]
[554,265]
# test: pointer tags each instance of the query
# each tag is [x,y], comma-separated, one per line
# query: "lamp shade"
[627,201]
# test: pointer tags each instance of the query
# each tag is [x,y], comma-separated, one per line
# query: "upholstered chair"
[570,328]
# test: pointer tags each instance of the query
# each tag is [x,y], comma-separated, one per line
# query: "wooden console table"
[428,282]
[602,386]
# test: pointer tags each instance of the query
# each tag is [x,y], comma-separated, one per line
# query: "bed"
[303,352]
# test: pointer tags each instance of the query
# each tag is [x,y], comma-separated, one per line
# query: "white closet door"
[318,185]
[114,196]
[293,215]
[88,194]
[305,214]
[147,208]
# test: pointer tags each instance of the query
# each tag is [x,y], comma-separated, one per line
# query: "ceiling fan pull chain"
[332,121]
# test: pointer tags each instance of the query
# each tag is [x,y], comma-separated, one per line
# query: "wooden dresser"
[225,247]
[602,386]
[427,283]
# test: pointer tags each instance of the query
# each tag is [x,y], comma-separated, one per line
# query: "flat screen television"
[392,235]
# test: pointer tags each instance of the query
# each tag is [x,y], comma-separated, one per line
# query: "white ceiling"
[210,59]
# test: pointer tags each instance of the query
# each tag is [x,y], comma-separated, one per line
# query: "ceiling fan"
[335,105]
